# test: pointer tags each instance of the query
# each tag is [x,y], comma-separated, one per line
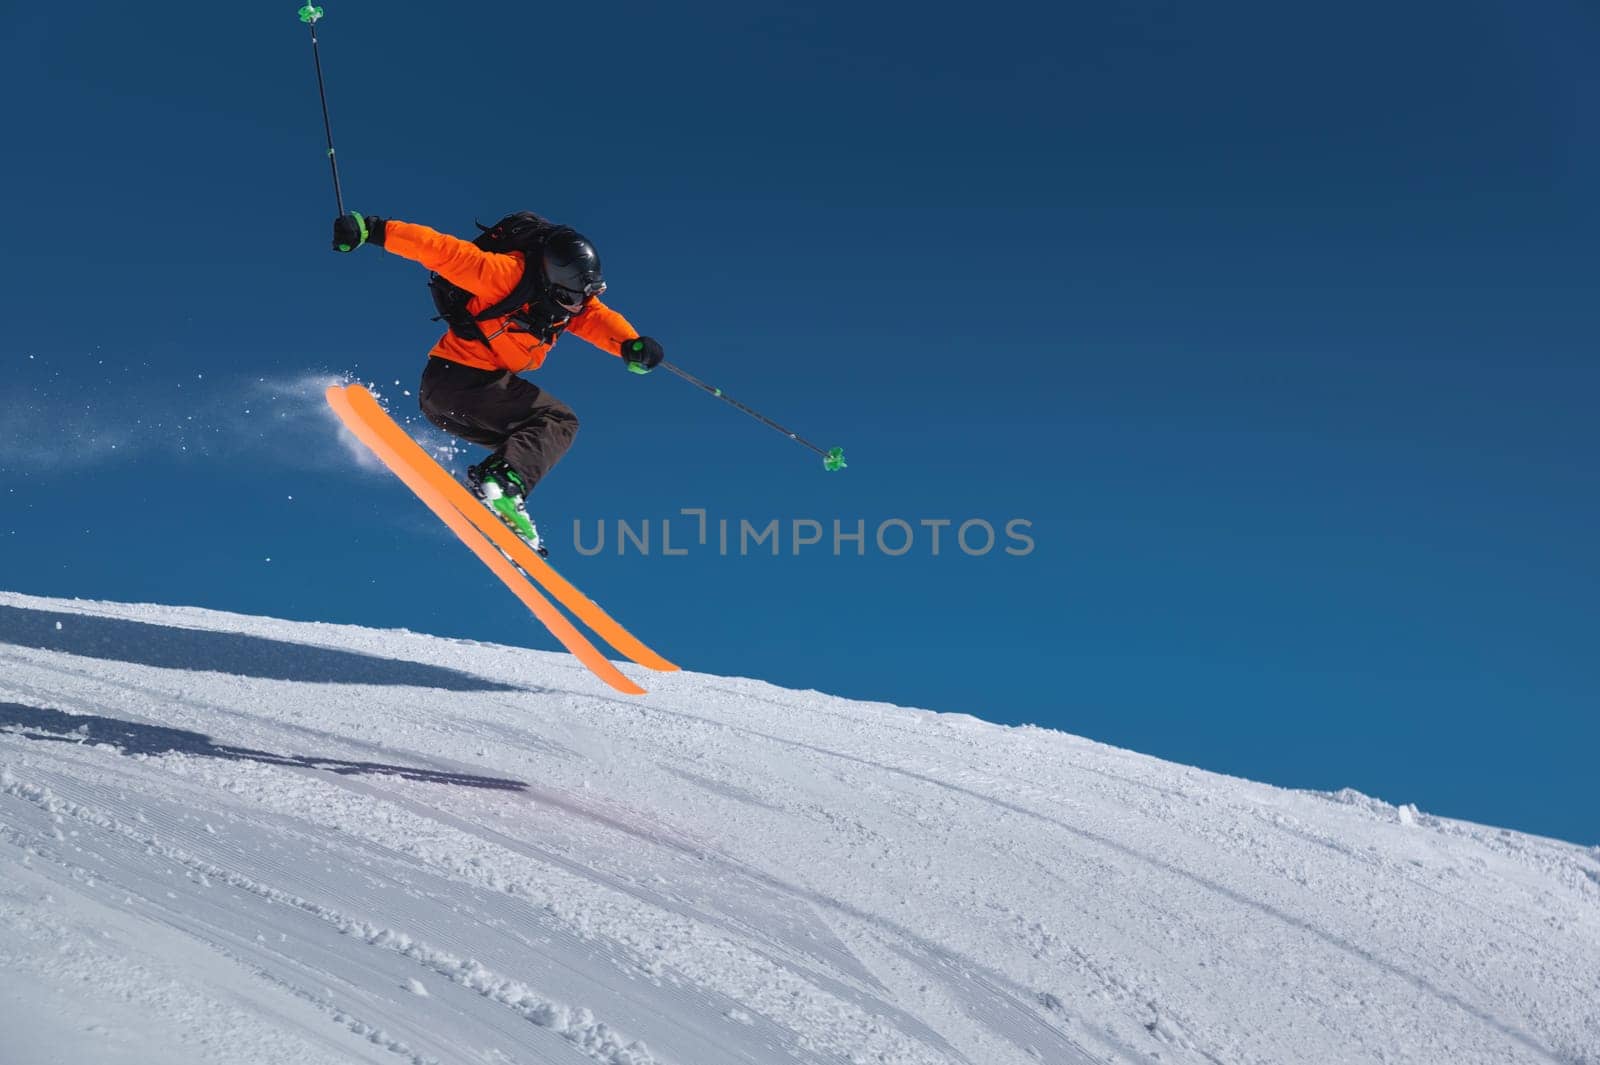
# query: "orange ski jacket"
[490,277]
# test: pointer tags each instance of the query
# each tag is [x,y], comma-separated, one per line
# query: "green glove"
[352,230]
[643,354]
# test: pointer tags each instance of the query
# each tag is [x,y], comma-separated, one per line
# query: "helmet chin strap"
[544,317]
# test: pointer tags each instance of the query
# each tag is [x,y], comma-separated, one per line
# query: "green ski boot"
[503,491]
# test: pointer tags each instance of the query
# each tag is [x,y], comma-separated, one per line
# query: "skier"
[506,297]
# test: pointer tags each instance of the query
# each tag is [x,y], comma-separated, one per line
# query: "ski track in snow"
[234,839]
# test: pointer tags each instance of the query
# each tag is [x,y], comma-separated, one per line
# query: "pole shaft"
[757,415]
[327,125]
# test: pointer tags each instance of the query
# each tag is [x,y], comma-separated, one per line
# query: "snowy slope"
[232,839]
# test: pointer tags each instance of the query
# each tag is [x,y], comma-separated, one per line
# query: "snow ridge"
[237,839]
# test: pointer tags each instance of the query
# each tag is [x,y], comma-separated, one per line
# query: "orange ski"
[582,607]
[468,532]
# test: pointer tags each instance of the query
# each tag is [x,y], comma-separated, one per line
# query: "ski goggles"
[571,299]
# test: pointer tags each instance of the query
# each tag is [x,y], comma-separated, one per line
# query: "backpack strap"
[529,287]
[451,300]
[523,232]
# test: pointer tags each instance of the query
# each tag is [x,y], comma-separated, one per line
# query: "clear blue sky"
[1279,324]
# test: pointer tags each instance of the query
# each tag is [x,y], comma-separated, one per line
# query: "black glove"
[643,354]
[352,230]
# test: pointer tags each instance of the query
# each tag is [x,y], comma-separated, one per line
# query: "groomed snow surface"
[238,840]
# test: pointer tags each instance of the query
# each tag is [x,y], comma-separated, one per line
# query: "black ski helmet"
[571,268]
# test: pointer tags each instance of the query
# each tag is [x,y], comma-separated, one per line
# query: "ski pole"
[309,15]
[832,458]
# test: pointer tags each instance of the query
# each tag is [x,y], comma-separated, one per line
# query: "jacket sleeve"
[489,275]
[602,327]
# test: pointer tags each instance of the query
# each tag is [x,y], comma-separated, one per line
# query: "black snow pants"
[520,421]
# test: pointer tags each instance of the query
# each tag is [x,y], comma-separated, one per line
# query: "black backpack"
[523,231]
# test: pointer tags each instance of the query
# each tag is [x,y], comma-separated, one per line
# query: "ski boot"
[503,491]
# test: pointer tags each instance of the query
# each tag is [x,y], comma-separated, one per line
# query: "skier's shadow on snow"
[132,737]
[145,644]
